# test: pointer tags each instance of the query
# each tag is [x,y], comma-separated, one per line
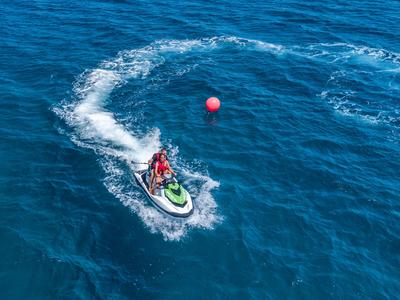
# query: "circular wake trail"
[97,128]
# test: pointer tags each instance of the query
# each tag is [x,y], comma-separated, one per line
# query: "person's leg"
[151,183]
[159,181]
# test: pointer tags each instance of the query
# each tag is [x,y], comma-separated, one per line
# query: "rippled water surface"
[295,180]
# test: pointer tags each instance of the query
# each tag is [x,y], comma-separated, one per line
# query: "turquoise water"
[295,181]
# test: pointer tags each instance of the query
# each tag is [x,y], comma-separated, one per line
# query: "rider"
[152,165]
[162,168]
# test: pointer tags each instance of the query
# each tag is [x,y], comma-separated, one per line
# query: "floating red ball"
[213,104]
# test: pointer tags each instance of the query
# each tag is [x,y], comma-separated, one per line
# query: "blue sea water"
[295,180]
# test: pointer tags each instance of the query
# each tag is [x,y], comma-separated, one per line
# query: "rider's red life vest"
[156,158]
[161,167]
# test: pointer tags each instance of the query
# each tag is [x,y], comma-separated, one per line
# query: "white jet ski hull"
[161,201]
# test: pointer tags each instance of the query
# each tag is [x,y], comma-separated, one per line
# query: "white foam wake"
[361,81]
[354,101]
[97,128]
[343,52]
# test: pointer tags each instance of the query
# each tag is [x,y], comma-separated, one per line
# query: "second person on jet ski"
[156,157]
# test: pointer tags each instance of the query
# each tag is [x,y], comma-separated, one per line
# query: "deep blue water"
[295,180]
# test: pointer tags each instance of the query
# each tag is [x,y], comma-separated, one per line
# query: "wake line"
[89,113]
[94,127]
[97,129]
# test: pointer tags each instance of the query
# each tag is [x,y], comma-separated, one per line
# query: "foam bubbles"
[343,52]
[353,93]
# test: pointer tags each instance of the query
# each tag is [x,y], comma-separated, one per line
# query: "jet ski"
[171,197]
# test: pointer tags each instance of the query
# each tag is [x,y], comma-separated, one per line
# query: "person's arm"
[156,170]
[170,169]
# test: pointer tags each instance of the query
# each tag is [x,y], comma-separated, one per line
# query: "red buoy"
[213,104]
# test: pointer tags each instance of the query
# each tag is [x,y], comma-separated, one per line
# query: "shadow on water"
[211,118]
